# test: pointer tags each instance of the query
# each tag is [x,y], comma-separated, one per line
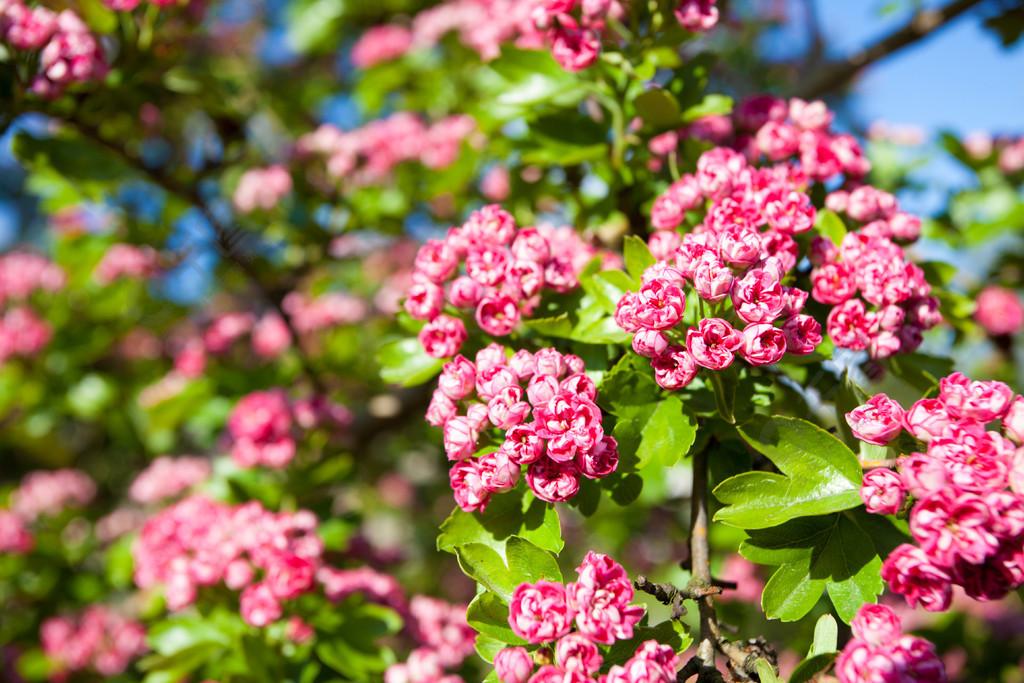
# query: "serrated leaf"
[509,514]
[668,434]
[489,615]
[608,287]
[820,474]
[826,636]
[405,362]
[483,564]
[528,562]
[487,647]
[830,552]
[558,326]
[638,257]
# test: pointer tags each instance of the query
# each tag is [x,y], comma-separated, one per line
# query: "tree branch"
[227,238]
[925,22]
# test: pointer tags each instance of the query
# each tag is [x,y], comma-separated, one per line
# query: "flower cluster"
[367,155]
[200,542]
[262,188]
[880,651]
[168,477]
[968,527]
[22,273]
[571,29]
[260,425]
[129,5]
[894,306]
[506,270]
[999,311]
[99,640]
[552,427]
[1009,152]
[68,52]
[15,539]
[327,310]
[575,618]
[443,640]
[48,492]
[22,333]
[129,261]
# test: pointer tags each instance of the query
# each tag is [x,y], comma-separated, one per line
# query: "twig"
[227,238]
[924,22]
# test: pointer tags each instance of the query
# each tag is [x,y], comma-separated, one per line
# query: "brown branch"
[227,238]
[925,22]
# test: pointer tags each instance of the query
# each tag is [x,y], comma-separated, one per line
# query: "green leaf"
[527,563]
[670,633]
[311,24]
[658,108]
[711,104]
[811,667]
[608,287]
[509,514]
[602,331]
[724,384]
[826,636]
[99,18]
[405,362]
[483,564]
[486,646]
[766,672]
[830,225]
[920,370]
[668,434]
[830,552]
[849,397]
[175,634]
[489,615]
[559,326]
[637,256]
[820,474]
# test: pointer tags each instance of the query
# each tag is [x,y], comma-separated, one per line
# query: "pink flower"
[540,611]
[270,336]
[762,344]
[810,115]
[757,296]
[803,334]
[513,665]
[522,445]
[490,225]
[521,363]
[467,485]
[911,573]
[697,15]
[486,264]
[260,427]
[833,283]
[649,343]
[600,599]
[882,492]
[713,343]
[497,314]
[574,48]
[459,438]
[15,539]
[878,421]
[1013,421]
[675,368]
[927,419]
[507,409]
[790,213]
[259,605]
[495,184]
[289,576]
[876,624]
[498,473]
[948,526]
[424,301]
[777,140]
[524,278]
[600,460]
[441,409]
[577,652]
[443,336]
[381,44]
[660,305]
[981,401]
[667,212]
[465,292]
[860,662]
[849,325]
[553,481]
[712,279]
[458,378]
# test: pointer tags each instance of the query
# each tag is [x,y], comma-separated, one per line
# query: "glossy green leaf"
[508,514]
[483,564]
[486,646]
[489,615]
[405,362]
[668,434]
[820,474]
[830,225]
[711,104]
[765,671]
[826,636]
[830,552]
[528,562]
[608,287]
[808,669]
[638,257]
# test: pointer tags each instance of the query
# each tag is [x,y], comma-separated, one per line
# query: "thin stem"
[924,23]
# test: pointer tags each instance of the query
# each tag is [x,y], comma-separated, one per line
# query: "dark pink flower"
[540,612]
